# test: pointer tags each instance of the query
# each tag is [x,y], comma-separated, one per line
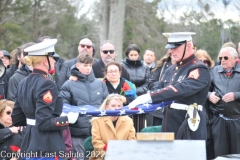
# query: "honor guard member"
[39,106]
[186,83]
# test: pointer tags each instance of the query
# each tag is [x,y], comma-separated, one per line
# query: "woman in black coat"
[9,135]
[139,73]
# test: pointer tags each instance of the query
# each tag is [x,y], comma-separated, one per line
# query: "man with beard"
[107,52]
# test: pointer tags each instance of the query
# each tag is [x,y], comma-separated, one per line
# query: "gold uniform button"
[66,121]
[181,62]
[176,68]
[62,122]
[57,122]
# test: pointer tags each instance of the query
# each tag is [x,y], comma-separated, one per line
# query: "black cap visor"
[174,44]
[54,55]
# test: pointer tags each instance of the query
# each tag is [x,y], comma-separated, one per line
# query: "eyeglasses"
[111,72]
[84,45]
[225,58]
[9,113]
[106,51]
[205,61]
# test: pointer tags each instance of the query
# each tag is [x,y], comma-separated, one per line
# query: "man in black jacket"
[107,52]
[224,97]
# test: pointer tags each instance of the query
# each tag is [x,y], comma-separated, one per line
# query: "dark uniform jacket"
[186,82]
[13,82]
[221,84]
[140,74]
[157,74]
[38,99]
[99,69]
[7,139]
[86,91]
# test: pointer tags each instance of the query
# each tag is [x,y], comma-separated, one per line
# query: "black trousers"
[226,136]
[176,121]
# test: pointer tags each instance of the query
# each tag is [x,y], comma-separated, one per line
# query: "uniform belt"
[31,121]
[193,117]
[184,106]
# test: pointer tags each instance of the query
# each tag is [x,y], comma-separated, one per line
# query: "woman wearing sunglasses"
[9,135]
[139,73]
[203,56]
[110,127]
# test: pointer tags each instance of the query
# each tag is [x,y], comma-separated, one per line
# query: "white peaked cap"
[42,48]
[176,39]
[179,36]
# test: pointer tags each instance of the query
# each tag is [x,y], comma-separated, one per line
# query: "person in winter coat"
[108,54]
[87,90]
[117,84]
[139,72]
[19,74]
[10,136]
[110,127]
[3,81]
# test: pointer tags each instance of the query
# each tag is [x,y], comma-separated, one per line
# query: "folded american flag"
[96,112]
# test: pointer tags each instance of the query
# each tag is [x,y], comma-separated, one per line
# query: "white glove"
[145,98]
[72,117]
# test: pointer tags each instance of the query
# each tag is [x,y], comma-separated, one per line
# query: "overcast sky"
[216,6]
[180,6]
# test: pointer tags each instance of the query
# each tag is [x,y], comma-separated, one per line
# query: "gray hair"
[231,50]
[105,42]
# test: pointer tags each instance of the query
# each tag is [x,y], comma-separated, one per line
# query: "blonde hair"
[4,103]
[204,53]
[110,97]
[33,60]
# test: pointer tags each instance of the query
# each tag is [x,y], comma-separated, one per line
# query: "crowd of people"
[36,82]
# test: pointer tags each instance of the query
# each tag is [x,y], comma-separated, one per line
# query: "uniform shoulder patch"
[47,97]
[194,74]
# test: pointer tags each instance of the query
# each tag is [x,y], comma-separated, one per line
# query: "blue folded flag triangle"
[96,112]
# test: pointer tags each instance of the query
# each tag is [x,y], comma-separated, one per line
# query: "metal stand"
[139,121]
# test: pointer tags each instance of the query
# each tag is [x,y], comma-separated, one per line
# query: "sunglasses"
[106,51]
[9,113]
[83,46]
[225,58]
[205,61]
